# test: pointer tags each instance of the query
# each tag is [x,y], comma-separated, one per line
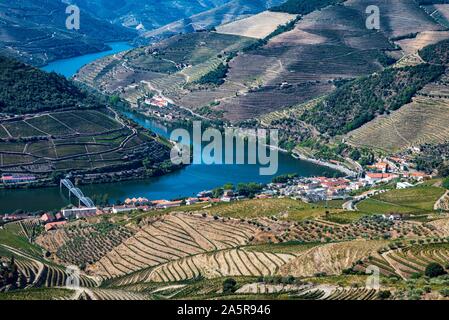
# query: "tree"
[249,189]
[383,295]
[434,270]
[446,183]
[217,192]
[355,155]
[228,186]
[229,285]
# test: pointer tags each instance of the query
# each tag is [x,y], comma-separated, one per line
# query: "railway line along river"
[183,183]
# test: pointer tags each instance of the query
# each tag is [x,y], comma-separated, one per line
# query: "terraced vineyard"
[83,243]
[330,259]
[86,140]
[221,264]
[408,261]
[422,121]
[36,273]
[172,237]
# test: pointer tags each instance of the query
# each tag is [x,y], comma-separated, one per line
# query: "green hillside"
[362,100]
[25,89]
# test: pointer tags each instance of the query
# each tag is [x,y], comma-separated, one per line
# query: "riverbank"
[296,154]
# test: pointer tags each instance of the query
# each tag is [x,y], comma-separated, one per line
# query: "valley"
[358,210]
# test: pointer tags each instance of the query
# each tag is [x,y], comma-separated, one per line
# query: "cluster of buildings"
[391,168]
[144,204]
[315,189]
[321,188]
[157,101]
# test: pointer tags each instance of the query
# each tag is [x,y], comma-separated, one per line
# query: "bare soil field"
[423,39]
[170,238]
[258,26]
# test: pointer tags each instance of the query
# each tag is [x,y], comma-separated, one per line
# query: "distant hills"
[35,32]
[230,11]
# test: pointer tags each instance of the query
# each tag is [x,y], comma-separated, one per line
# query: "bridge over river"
[77,193]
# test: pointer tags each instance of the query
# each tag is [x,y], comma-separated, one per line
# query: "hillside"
[229,12]
[151,15]
[307,57]
[191,255]
[304,7]
[49,127]
[361,101]
[35,32]
[257,26]
[421,121]
[25,89]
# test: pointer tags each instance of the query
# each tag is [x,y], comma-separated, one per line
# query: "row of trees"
[304,7]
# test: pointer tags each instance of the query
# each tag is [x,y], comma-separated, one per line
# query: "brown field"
[172,237]
[423,39]
[440,12]
[331,259]
[257,26]
[399,17]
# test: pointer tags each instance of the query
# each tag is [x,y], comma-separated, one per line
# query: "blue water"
[183,183]
[68,67]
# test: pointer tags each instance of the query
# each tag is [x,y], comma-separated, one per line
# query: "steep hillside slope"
[257,26]
[359,102]
[296,63]
[230,11]
[150,14]
[49,127]
[25,89]
[35,32]
[399,17]
[423,120]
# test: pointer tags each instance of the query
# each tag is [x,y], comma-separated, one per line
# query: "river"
[183,183]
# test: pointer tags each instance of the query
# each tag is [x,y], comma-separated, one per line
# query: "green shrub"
[434,270]
[384,294]
[229,286]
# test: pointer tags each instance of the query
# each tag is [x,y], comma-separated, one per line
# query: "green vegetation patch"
[25,89]
[286,208]
[37,294]
[362,100]
[436,53]
[304,6]
[413,201]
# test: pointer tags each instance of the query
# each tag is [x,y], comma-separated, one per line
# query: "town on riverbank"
[389,173]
